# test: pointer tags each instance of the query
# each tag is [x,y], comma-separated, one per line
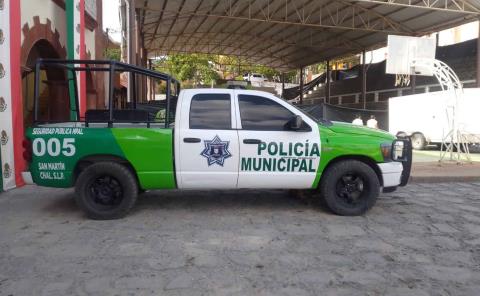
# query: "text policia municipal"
[283,157]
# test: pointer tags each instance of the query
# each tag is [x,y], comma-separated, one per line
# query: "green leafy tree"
[188,67]
[195,69]
[113,54]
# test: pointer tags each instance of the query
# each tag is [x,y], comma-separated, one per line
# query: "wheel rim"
[350,189]
[105,193]
[417,141]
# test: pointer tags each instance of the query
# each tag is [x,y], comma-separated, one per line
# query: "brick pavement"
[421,240]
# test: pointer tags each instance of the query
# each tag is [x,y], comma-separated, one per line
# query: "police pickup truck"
[205,139]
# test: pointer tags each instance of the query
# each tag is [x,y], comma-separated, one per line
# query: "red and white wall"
[23,23]
[11,117]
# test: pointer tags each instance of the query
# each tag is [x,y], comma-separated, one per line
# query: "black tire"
[418,141]
[106,190]
[350,188]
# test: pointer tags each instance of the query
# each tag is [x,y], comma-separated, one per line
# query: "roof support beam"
[174,20]
[340,15]
[243,11]
[289,34]
[206,49]
[186,25]
[296,12]
[249,39]
[158,21]
[462,6]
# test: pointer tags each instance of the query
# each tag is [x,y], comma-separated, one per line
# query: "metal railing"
[71,67]
[310,98]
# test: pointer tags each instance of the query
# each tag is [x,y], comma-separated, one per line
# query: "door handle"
[251,141]
[191,140]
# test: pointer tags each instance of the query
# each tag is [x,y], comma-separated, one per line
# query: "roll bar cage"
[72,66]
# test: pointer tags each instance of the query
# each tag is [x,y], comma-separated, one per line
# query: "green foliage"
[290,76]
[319,68]
[188,67]
[236,67]
[266,71]
[202,69]
[113,54]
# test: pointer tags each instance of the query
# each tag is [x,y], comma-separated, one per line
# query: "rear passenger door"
[271,155]
[207,151]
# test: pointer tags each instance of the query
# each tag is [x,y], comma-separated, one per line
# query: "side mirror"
[295,123]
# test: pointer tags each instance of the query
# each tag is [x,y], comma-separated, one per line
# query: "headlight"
[398,153]
[386,151]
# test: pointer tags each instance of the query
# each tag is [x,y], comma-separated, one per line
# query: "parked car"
[255,77]
[223,139]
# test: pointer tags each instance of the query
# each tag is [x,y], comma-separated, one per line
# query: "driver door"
[271,154]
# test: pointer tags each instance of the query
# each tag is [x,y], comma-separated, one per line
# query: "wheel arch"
[410,133]
[427,140]
[88,160]
[418,133]
[365,159]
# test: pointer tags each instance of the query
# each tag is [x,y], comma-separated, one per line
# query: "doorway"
[54,102]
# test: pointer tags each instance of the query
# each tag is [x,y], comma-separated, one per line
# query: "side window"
[262,114]
[211,111]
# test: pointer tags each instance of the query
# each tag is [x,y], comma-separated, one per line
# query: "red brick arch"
[39,32]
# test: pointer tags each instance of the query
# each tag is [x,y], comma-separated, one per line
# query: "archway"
[54,104]
[91,92]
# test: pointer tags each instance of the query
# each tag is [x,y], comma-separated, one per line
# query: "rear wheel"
[418,141]
[106,190]
[350,187]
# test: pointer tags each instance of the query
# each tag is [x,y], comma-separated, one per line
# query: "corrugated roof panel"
[290,34]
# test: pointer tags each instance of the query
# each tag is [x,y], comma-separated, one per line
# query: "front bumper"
[407,161]
[391,173]
[397,173]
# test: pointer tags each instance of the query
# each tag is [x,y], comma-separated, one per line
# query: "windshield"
[322,121]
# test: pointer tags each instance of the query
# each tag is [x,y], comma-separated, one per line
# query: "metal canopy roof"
[288,34]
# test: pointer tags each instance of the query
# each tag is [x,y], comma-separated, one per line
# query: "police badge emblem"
[216,151]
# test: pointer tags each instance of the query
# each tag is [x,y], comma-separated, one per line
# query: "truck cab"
[211,139]
[243,139]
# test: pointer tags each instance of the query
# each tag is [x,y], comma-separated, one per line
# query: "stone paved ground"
[421,240]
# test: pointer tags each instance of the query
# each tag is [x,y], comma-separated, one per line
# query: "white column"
[6,130]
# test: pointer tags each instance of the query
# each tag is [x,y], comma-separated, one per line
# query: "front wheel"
[350,187]
[106,190]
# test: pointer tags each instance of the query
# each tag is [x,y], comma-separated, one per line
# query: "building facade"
[33,29]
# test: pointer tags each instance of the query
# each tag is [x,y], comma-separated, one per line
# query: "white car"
[255,77]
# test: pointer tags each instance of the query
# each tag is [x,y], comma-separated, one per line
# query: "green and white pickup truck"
[219,139]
